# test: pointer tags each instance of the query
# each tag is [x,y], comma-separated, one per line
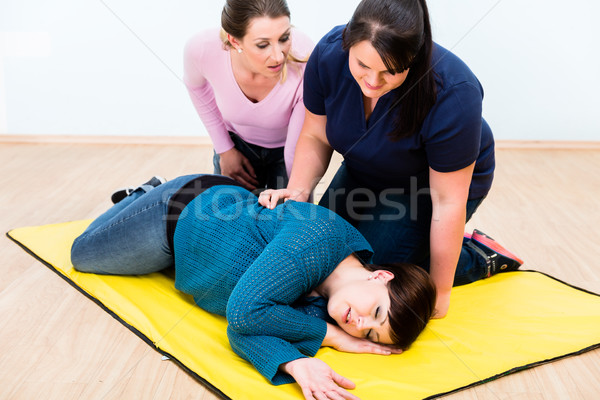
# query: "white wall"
[114,67]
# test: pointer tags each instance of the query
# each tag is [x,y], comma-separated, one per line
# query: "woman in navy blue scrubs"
[405,114]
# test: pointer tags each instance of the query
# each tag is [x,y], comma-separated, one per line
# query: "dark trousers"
[397,225]
[268,164]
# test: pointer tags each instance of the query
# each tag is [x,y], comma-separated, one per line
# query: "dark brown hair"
[412,301]
[400,32]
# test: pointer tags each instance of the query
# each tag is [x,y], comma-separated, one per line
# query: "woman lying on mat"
[288,280]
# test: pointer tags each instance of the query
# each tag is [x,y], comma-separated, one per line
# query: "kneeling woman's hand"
[337,338]
[318,381]
[236,166]
[270,197]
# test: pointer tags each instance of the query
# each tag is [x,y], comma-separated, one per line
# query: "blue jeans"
[397,225]
[130,238]
[268,164]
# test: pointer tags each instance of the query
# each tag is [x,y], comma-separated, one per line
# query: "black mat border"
[133,329]
[534,364]
[218,392]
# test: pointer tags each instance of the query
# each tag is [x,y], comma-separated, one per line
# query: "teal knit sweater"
[254,265]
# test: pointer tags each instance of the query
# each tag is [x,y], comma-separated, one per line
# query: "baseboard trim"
[108,140]
[205,141]
[548,144]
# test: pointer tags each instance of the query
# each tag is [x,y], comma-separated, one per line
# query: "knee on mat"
[79,258]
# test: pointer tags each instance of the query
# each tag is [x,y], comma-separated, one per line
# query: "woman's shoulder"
[302,45]
[328,53]
[204,42]
[451,71]
[331,43]
[333,36]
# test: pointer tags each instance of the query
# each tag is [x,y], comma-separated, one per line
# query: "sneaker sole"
[492,244]
[120,194]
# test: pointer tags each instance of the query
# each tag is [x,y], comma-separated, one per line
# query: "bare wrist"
[228,152]
[301,195]
[288,367]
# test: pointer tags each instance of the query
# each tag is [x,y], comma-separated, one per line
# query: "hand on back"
[270,198]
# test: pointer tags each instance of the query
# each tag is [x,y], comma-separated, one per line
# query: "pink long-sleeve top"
[273,122]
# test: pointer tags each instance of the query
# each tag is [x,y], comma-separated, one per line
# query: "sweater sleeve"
[266,353]
[264,328]
[260,311]
[201,93]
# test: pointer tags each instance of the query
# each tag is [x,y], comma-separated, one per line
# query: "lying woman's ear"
[382,274]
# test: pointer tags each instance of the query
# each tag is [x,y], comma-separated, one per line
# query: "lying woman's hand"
[318,381]
[270,198]
[337,338]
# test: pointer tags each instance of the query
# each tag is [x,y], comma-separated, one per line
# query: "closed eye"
[360,64]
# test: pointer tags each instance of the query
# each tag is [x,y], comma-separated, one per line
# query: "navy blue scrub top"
[452,137]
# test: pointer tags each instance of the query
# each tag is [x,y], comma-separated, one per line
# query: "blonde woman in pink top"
[245,82]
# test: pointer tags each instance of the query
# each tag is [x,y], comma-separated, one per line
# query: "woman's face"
[361,307]
[266,45]
[370,72]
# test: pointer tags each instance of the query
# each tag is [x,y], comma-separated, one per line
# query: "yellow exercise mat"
[497,326]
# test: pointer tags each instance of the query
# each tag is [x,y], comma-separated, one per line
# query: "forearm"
[449,194]
[311,157]
[338,339]
[311,160]
[293,134]
[288,367]
[267,354]
[447,230]
[331,336]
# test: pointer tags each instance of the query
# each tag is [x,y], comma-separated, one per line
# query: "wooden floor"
[57,344]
